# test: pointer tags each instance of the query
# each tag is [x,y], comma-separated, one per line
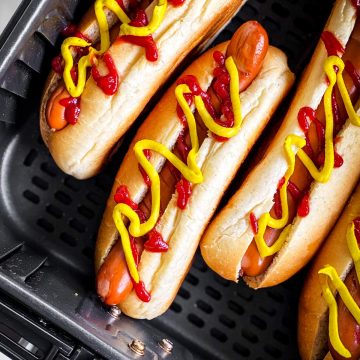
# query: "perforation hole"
[250,336]
[32,197]
[184,293]
[72,184]
[48,169]
[259,323]
[68,239]
[242,350]
[175,307]
[86,212]
[213,293]
[244,294]
[40,183]
[281,337]
[236,308]
[46,225]
[275,295]
[273,351]
[94,198]
[267,311]
[63,198]
[192,279]
[54,211]
[227,321]
[30,157]
[218,335]
[77,225]
[205,307]
[280,10]
[195,320]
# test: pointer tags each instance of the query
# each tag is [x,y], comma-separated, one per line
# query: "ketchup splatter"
[69,30]
[184,190]
[176,2]
[147,42]
[155,242]
[254,223]
[277,204]
[304,208]
[336,113]
[145,176]
[221,86]
[294,190]
[332,44]
[122,196]
[72,109]
[134,250]
[305,116]
[141,292]
[108,83]
[338,160]
[357,228]
[181,146]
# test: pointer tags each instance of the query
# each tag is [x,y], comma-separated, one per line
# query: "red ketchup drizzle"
[294,190]
[147,42]
[57,64]
[338,160]
[221,86]
[145,176]
[332,44]
[108,83]
[254,223]
[184,190]
[122,196]
[336,113]
[357,228]
[72,109]
[155,242]
[176,2]
[304,208]
[141,292]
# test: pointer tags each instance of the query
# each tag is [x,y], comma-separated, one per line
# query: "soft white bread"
[230,234]
[81,150]
[313,309]
[182,229]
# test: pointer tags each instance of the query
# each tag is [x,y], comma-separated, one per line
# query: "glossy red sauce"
[176,2]
[57,64]
[147,42]
[356,4]
[145,176]
[72,109]
[155,242]
[141,292]
[277,204]
[134,250]
[184,190]
[304,208]
[294,190]
[221,86]
[108,83]
[332,44]
[254,223]
[122,196]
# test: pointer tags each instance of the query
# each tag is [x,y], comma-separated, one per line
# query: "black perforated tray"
[49,220]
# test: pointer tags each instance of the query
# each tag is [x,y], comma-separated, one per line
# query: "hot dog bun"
[229,235]
[81,150]
[313,310]
[181,229]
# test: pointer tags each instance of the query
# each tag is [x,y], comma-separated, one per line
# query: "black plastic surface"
[49,220]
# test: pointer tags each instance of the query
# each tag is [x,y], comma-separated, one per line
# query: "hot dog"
[196,156]
[283,210]
[333,279]
[105,78]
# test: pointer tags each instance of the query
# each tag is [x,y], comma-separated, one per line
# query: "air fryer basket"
[49,221]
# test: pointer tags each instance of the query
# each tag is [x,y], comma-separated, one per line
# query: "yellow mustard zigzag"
[339,286]
[125,29]
[190,170]
[293,142]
